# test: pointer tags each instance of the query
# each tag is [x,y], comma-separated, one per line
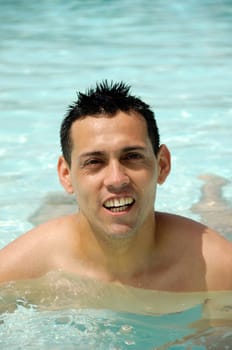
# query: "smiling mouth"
[119,204]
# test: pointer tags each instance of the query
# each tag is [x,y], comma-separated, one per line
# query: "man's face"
[114,173]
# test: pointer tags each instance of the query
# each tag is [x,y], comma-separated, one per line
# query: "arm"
[213,328]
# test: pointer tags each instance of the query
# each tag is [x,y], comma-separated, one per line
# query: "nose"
[116,178]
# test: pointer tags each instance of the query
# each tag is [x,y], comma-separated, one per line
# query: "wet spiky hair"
[106,99]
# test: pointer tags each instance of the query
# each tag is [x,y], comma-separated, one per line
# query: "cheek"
[148,185]
[148,178]
[85,190]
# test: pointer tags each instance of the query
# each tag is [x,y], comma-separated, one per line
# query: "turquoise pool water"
[63,311]
[176,55]
[91,329]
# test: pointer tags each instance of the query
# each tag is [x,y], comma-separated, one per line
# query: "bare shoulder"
[179,225]
[49,230]
[34,253]
[187,228]
[200,243]
[217,252]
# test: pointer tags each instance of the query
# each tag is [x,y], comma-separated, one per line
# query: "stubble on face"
[121,141]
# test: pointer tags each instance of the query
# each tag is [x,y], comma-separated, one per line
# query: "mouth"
[117,205]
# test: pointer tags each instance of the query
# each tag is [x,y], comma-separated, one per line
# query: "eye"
[133,156]
[92,162]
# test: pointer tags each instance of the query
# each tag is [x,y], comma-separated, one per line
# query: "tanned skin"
[116,235]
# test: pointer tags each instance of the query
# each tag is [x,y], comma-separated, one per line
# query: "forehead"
[100,132]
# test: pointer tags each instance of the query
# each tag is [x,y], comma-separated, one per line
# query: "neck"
[121,257]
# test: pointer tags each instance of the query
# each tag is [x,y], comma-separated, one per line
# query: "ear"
[164,164]
[64,174]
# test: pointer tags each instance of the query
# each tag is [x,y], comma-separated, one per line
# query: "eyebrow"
[91,154]
[133,148]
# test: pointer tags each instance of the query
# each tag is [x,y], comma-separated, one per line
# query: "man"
[112,161]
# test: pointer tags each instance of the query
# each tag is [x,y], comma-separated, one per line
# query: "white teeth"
[118,209]
[118,202]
